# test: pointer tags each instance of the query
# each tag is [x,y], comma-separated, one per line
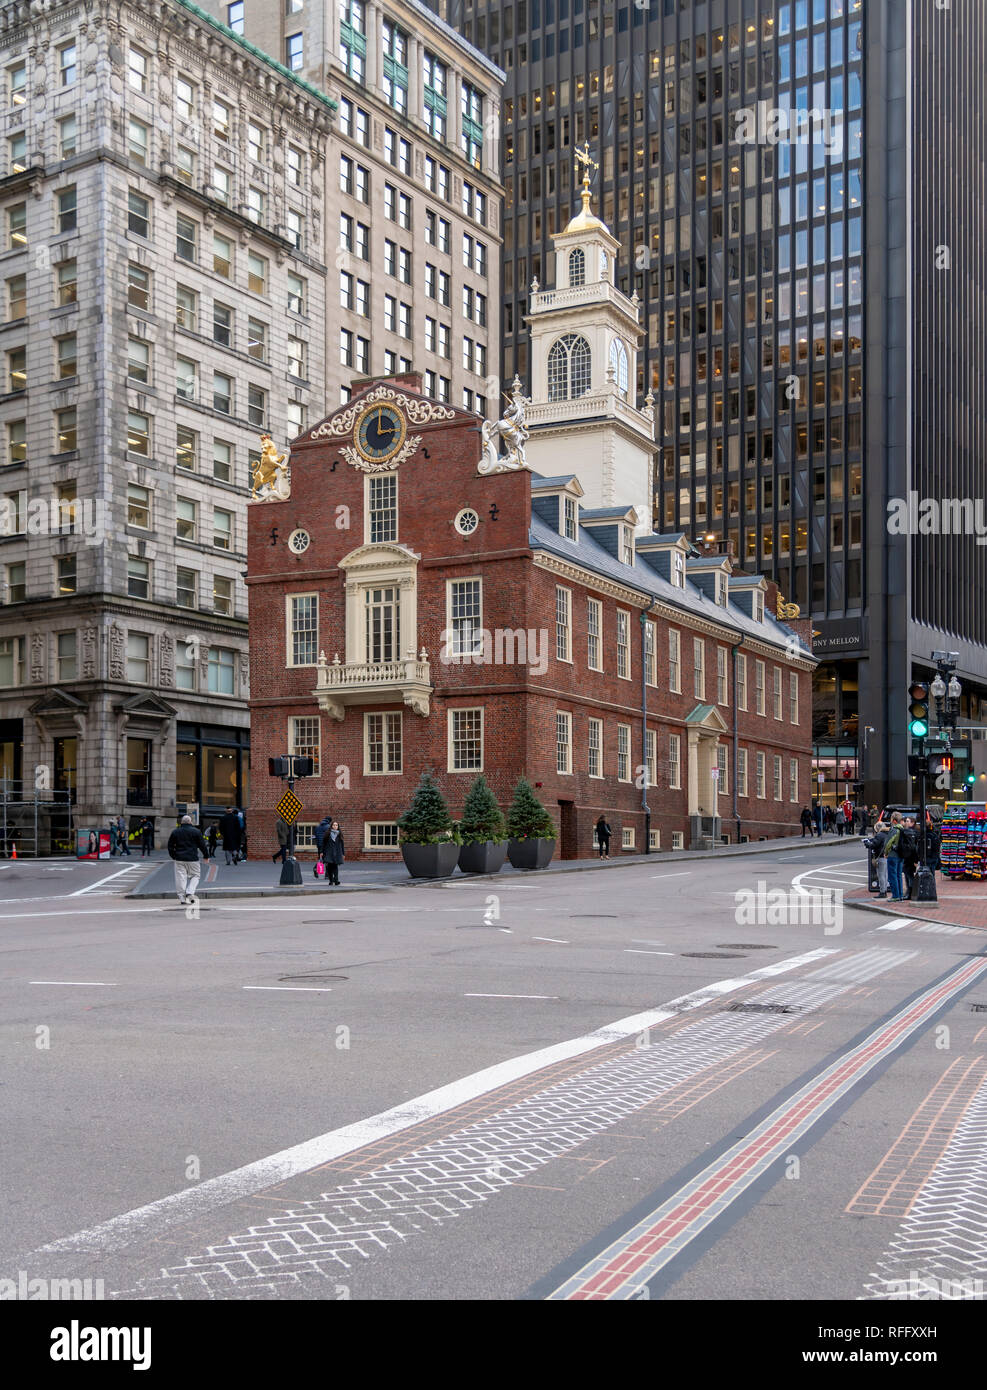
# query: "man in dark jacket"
[876,846]
[184,845]
[231,831]
[806,820]
[908,848]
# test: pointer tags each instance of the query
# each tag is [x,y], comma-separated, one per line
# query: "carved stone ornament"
[418,411]
[510,429]
[38,653]
[89,640]
[409,447]
[166,660]
[118,664]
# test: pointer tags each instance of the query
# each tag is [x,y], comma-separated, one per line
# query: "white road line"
[684,874]
[629,951]
[91,887]
[292,989]
[167,906]
[896,924]
[558,940]
[147,1221]
[510,996]
[102,984]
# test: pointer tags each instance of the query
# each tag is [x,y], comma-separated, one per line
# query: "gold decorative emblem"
[271,478]
[785,610]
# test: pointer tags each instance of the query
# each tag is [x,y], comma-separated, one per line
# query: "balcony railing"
[342,683]
[600,291]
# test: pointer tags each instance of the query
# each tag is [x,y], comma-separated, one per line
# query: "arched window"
[569,368]
[604,265]
[618,361]
[577,267]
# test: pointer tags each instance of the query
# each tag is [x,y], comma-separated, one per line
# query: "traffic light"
[971,778]
[918,709]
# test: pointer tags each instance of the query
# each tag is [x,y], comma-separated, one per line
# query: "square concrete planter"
[431,861]
[482,857]
[532,853]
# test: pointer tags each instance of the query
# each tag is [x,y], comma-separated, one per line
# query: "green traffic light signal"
[918,709]
[971,777]
[918,728]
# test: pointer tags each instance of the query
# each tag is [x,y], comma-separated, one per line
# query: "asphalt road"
[607,1085]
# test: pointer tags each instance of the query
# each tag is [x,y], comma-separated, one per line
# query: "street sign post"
[288,808]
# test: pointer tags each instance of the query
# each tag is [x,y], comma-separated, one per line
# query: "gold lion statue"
[270,473]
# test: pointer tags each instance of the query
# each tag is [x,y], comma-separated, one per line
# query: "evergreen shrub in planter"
[532,833]
[482,832]
[429,844]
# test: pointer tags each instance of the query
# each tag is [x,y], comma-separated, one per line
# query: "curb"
[887,912]
[566,866]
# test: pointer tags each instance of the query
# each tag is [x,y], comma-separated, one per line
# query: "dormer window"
[627,545]
[678,569]
[721,590]
[758,607]
[570,515]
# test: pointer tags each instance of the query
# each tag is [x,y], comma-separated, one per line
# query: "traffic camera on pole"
[918,709]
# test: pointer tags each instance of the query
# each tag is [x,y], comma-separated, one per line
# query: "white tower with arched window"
[585,335]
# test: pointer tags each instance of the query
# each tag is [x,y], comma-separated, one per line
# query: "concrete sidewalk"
[962,903]
[258,878]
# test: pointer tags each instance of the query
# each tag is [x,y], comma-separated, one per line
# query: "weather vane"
[583,156]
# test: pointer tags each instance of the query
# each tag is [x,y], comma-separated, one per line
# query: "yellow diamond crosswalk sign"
[288,808]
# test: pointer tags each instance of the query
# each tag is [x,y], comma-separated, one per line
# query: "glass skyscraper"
[782,178]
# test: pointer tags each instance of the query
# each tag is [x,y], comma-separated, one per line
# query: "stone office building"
[162,224]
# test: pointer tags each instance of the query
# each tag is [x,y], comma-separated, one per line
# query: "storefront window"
[185,770]
[66,755]
[138,772]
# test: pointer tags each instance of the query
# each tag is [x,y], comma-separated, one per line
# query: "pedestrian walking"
[603,834]
[806,821]
[212,835]
[147,836]
[113,838]
[284,835]
[840,822]
[321,830]
[909,849]
[333,853]
[817,819]
[876,845]
[184,845]
[123,836]
[229,828]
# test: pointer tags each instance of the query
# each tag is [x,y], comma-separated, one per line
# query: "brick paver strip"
[682,1217]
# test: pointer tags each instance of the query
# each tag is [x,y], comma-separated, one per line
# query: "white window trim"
[561,588]
[699,668]
[777,694]
[460,579]
[383,566]
[288,598]
[451,712]
[384,772]
[760,689]
[597,776]
[742,772]
[599,633]
[777,778]
[292,747]
[675,640]
[793,697]
[793,780]
[627,837]
[567,716]
[366,506]
[652,628]
[630,768]
[378,849]
[675,764]
[723,654]
[741,681]
[678,839]
[628,674]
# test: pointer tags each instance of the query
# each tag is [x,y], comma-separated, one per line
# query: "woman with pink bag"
[333,853]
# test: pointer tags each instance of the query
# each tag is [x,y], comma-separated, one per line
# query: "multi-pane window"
[17,369]
[67,285]
[303,629]
[184,99]
[256,405]
[759,775]
[759,686]
[563,742]
[138,658]
[721,676]
[186,519]
[66,430]
[16,575]
[304,739]
[186,238]
[17,153]
[382,623]
[381,834]
[382,508]
[395,64]
[17,227]
[294,228]
[187,587]
[722,780]
[296,358]
[67,64]
[674,661]
[435,83]
[650,653]
[67,210]
[138,285]
[222,255]
[623,752]
[138,137]
[793,697]
[256,142]
[257,205]
[137,69]
[16,297]
[776,691]
[256,273]
[594,625]
[295,166]
[187,309]
[465,740]
[594,758]
[220,670]
[222,528]
[294,52]
[623,643]
[651,756]
[471,109]
[741,681]
[139,433]
[138,577]
[569,368]
[11,661]
[138,506]
[675,761]
[437,178]
[66,574]
[185,662]
[16,441]
[186,378]
[296,293]
[17,84]
[353,39]
[186,448]
[67,137]
[383,743]
[563,623]
[776,777]
[257,340]
[222,460]
[66,651]
[138,213]
[699,668]
[464,636]
[741,771]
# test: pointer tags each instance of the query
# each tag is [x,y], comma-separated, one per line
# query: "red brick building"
[409,612]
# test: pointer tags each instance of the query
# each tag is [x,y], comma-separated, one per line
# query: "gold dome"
[584,220]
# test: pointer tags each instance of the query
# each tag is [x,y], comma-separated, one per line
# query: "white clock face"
[299,541]
[466,521]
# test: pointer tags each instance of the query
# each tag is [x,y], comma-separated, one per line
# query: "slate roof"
[588,553]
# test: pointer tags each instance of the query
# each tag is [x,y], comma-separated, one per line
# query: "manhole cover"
[763,1009]
[745,946]
[713,955]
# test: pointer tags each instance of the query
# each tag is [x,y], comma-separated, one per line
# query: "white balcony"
[342,683]
[576,296]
